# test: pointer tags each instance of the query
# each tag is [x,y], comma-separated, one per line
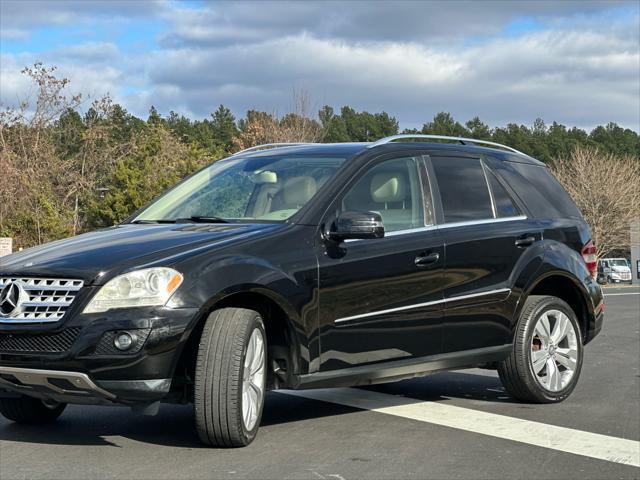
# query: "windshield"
[264,188]
[618,263]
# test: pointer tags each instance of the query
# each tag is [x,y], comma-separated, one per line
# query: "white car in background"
[614,270]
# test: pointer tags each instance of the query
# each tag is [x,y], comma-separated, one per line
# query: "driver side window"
[392,189]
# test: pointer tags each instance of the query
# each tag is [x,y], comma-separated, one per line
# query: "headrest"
[265,176]
[388,187]
[298,190]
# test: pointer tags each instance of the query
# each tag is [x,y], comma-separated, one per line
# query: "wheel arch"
[562,285]
[283,339]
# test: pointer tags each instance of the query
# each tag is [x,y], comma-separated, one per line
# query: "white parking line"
[603,447]
[620,294]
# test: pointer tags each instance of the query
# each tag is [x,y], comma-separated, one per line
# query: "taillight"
[590,256]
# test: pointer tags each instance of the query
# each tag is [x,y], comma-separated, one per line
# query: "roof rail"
[462,140]
[267,146]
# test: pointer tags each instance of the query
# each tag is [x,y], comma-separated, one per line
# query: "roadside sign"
[6,245]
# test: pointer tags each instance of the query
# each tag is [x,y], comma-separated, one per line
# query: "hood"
[99,255]
[620,269]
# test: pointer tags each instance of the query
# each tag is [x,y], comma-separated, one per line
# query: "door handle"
[525,241]
[427,259]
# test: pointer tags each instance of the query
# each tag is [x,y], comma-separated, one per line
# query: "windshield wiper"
[193,219]
[149,222]
[201,219]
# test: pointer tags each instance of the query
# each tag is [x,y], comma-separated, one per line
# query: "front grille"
[39,343]
[45,299]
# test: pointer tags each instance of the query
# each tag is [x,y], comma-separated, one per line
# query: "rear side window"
[503,203]
[542,193]
[463,189]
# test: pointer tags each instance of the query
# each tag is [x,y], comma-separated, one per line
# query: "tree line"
[63,172]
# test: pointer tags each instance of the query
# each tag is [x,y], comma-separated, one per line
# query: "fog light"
[124,341]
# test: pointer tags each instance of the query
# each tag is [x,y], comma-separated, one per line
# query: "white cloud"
[576,77]
[90,52]
[580,65]
[92,80]
[439,21]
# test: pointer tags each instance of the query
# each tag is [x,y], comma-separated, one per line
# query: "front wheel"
[546,359]
[230,380]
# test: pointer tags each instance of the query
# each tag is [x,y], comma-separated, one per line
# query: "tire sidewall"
[255,323]
[546,305]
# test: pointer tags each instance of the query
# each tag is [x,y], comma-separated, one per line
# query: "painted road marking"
[620,294]
[594,445]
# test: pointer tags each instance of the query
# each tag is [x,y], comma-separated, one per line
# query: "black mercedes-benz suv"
[303,266]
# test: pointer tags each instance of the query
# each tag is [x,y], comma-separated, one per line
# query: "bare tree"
[55,163]
[40,187]
[606,188]
[35,183]
[296,126]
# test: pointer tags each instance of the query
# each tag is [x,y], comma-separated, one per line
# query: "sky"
[574,62]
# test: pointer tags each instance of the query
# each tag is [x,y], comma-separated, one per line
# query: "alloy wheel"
[253,384]
[554,350]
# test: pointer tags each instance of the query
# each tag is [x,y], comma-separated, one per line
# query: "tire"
[541,382]
[221,408]
[30,411]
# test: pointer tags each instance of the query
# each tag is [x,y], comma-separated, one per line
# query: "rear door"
[486,232]
[379,299]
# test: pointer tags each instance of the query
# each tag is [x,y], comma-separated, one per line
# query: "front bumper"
[88,372]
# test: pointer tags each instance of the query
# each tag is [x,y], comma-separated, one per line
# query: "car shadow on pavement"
[89,425]
[174,427]
[476,384]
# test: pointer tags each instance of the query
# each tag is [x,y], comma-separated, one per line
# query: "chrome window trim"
[482,222]
[427,182]
[486,179]
[443,226]
[410,230]
[515,201]
[425,304]
[396,233]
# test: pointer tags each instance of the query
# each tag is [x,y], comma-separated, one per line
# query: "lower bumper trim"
[138,389]
[30,381]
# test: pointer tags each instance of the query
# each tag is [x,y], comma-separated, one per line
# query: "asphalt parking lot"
[449,425]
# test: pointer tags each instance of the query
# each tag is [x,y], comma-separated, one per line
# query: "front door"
[381,299]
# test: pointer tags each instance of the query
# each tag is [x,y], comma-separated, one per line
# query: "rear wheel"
[546,359]
[29,410]
[230,380]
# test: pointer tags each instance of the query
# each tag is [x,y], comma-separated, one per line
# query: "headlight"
[615,275]
[142,288]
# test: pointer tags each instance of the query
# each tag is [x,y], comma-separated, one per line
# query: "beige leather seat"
[295,192]
[389,194]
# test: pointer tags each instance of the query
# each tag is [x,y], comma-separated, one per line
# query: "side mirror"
[356,225]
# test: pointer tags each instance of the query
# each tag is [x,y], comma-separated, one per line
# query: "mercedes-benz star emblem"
[11,298]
